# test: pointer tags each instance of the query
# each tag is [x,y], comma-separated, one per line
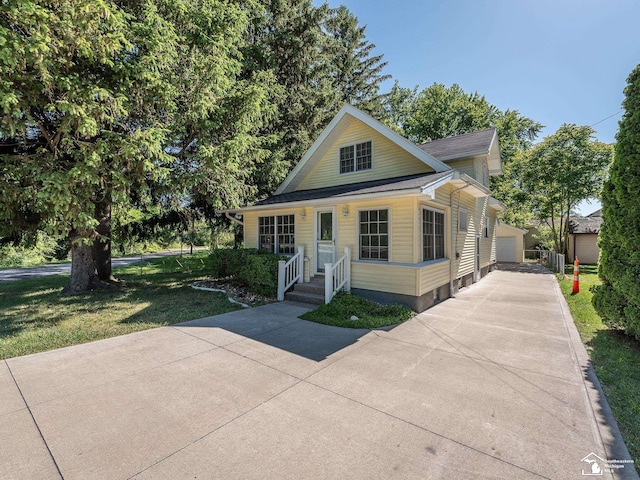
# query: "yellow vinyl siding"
[388,160]
[464,241]
[433,276]
[466,165]
[384,278]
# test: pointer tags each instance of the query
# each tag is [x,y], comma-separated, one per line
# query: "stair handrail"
[290,272]
[337,276]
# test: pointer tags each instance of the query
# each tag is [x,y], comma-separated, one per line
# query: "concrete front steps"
[311,292]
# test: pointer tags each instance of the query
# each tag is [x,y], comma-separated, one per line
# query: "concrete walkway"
[490,384]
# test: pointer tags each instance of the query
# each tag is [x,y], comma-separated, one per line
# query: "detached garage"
[509,243]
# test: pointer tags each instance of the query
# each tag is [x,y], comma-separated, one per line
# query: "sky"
[555,61]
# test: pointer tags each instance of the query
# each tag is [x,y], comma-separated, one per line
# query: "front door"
[325,239]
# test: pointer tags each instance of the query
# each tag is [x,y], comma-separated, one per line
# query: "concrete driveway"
[491,384]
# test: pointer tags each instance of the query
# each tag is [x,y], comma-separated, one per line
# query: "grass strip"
[370,314]
[615,357]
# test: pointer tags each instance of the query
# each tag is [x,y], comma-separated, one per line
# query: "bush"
[256,269]
[618,299]
[260,273]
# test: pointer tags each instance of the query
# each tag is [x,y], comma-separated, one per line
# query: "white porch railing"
[290,272]
[337,276]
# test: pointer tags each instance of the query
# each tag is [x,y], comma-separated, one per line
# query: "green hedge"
[253,268]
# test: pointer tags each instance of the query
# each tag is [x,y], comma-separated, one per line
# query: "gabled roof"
[408,184]
[588,224]
[483,142]
[597,213]
[336,127]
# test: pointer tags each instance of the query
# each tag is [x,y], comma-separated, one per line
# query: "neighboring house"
[509,243]
[419,221]
[583,237]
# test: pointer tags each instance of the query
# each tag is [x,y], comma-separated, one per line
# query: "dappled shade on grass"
[35,316]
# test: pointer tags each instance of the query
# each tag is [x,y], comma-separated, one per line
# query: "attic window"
[354,158]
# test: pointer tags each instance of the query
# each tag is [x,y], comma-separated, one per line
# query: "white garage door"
[506,249]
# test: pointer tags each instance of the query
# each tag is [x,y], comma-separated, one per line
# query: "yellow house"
[367,210]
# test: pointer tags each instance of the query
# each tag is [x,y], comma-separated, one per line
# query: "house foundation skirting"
[425,301]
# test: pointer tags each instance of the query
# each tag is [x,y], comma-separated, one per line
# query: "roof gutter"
[233,218]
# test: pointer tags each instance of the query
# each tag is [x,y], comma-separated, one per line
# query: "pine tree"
[356,72]
[617,300]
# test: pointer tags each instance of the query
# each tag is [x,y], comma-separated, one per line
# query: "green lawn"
[35,317]
[370,314]
[615,357]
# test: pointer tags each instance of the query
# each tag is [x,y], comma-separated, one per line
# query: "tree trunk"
[102,243]
[84,276]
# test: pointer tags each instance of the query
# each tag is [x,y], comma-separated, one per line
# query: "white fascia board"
[329,200]
[430,189]
[497,204]
[371,122]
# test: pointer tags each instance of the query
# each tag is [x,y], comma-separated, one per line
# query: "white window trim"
[353,144]
[466,212]
[389,228]
[485,226]
[425,207]
[276,215]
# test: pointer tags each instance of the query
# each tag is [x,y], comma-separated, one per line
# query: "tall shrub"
[617,300]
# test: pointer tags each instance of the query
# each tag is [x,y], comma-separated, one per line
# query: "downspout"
[454,236]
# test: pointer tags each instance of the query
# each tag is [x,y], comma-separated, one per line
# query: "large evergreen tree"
[102,100]
[356,72]
[617,300]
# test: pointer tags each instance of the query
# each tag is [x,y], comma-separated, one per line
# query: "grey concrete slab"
[303,347]
[58,373]
[531,351]
[117,429]
[309,432]
[10,397]
[23,453]
[487,407]
[473,388]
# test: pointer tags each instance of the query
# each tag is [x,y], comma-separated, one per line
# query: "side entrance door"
[325,238]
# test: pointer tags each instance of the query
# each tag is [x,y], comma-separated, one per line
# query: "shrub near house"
[253,268]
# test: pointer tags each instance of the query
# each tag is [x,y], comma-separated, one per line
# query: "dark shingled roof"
[585,224]
[408,182]
[460,145]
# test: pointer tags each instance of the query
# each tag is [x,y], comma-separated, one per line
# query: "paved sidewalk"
[491,384]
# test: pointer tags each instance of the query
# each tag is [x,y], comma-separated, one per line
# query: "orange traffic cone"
[576,276]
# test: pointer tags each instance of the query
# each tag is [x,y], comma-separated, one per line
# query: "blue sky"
[556,61]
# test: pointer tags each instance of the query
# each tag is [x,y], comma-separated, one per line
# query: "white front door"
[325,239]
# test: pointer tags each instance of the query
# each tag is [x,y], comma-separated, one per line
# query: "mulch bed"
[235,291]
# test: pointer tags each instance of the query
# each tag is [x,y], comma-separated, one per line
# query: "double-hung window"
[374,235]
[432,234]
[354,158]
[277,234]
[463,220]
